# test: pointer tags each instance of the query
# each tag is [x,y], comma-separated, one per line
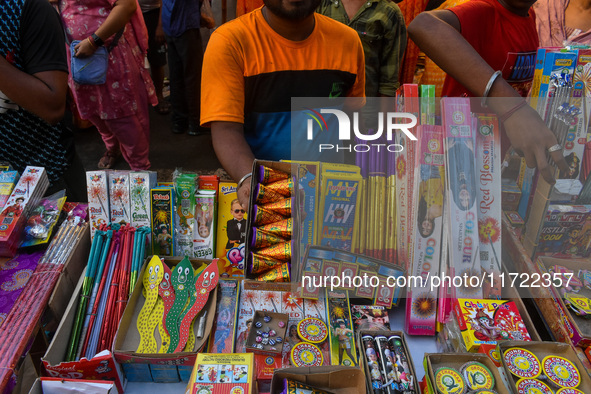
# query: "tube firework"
[283,228]
[281,251]
[373,364]
[269,175]
[265,195]
[262,239]
[401,364]
[264,216]
[285,187]
[262,264]
[277,274]
[387,365]
[282,207]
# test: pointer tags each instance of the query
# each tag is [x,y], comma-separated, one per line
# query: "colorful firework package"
[162,206]
[7,181]
[119,201]
[488,321]
[205,224]
[43,218]
[230,231]
[370,317]
[267,333]
[342,339]
[184,187]
[222,374]
[566,231]
[222,337]
[25,196]
[463,373]
[140,183]
[269,234]
[387,363]
[98,199]
[428,203]
[548,367]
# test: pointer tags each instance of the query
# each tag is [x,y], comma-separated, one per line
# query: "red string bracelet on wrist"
[509,113]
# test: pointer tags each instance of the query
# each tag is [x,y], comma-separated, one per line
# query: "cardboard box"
[434,361]
[102,368]
[291,169]
[541,350]
[336,379]
[158,367]
[578,327]
[273,324]
[363,362]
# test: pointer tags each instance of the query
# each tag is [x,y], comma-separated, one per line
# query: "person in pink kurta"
[563,20]
[119,107]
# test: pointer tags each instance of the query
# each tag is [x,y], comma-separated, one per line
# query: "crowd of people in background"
[241,84]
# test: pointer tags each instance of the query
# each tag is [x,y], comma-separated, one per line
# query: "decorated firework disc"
[449,381]
[485,391]
[477,376]
[532,386]
[569,390]
[312,330]
[522,363]
[306,354]
[561,371]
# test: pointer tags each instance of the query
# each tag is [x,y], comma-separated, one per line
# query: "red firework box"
[488,321]
[24,197]
[98,199]
[120,209]
[488,186]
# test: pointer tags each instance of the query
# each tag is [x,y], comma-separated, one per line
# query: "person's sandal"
[108,160]
[163,107]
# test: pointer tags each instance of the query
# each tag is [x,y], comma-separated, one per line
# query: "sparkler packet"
[119,197]
[140,183]
[98,199]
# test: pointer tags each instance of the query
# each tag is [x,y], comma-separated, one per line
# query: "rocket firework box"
[162,205]
[488,321]
[428,200]
[222,374]
[98,199]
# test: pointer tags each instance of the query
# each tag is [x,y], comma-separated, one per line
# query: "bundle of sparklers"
[20,323]
[116,256]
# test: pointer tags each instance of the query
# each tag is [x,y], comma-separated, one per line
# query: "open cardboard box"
[292,169]
[433,361]
[157,367]
[541,350]
[579,327]
[101,368]
[336,378]
[386,333]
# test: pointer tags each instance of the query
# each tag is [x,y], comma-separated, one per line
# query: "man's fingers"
[558,157]
[545,169]
[530,158]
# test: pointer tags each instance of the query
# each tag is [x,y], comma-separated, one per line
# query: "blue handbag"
[91,70]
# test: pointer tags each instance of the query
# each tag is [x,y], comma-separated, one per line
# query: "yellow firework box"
[229,239]
[222,374]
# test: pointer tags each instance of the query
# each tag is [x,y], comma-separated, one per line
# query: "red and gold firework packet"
[264,195]
[277,274]
[282,207]
[269,175]
[283,228]
[264,216]
[262,264]
[285,187]
[280,251]
[261,239]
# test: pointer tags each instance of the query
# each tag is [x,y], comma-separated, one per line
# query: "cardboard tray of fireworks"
[281,273]
[98,368]
[579,327]
[363,356]
[434,361]
[336,379]
[66,283]
[542,350]
[157,367]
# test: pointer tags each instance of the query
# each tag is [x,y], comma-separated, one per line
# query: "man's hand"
[244,194]
[530,136]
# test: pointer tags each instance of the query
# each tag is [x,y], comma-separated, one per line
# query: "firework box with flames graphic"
[98,199]
[428,199]
[488,321]
[231,256]
[461,193]
[488,185]
[159,367]
[119,197]
[222,374]
[407,100]
[140,183]
[280,298]
[578,327]
[162,206]
[25,196]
